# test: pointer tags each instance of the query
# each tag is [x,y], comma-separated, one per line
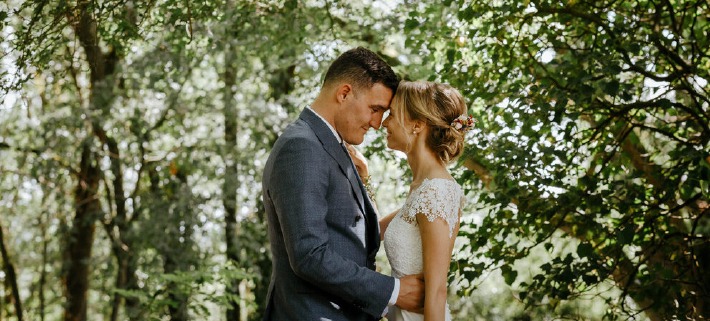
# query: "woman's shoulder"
[435,194]
[443,184]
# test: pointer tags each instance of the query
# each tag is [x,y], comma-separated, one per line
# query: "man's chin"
[355,141]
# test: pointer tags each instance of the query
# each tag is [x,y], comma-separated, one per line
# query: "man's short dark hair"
[363,68]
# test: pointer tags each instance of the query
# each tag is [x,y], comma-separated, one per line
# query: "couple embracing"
[323,227]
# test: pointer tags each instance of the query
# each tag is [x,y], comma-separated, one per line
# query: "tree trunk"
[11,277]
[43,271]
[125,280]
[229,189]
[77,254]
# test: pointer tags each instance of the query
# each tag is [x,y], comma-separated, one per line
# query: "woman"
[427,122]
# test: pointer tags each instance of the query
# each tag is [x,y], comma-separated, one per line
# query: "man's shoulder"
[298,137]
[298,131]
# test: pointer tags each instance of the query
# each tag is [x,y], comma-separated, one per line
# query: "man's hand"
[411,293]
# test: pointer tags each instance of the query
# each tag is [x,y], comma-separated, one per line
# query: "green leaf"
[590,279]
[566,275]
[450,55]
[611,88]
[508,274]
[585,250]
[410,24]
[625,236]
[548,246]
[664,103]
[522,295]
[467,14]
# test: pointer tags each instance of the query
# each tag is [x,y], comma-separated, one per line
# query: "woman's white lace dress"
[436,198]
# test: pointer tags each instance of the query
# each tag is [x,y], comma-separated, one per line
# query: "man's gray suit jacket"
[313,197]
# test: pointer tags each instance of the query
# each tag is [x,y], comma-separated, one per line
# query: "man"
[323,228]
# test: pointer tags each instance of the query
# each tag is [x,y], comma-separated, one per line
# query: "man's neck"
[327,123]
[323,111]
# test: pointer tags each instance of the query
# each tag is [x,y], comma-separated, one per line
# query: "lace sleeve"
[439,198]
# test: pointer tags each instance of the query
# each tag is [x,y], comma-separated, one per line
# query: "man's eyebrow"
[380,107]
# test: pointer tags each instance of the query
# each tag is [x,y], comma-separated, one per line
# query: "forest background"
[133,136]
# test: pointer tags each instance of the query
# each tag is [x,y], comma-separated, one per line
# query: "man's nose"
[376,121]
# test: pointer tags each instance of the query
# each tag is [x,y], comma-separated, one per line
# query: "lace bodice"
[436,198]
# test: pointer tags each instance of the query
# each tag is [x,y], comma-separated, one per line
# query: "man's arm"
[411,287]
[299,186]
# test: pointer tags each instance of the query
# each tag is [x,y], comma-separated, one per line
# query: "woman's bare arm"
[436,248]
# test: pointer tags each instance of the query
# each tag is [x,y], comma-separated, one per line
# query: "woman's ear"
[419,126]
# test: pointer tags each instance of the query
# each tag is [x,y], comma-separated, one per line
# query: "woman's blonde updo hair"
[437,105]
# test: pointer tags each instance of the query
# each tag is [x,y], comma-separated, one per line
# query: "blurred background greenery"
[133,135]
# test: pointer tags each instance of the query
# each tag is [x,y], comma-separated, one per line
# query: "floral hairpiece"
[463,123]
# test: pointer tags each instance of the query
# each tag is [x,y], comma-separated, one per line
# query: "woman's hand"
[360,163]
[361,166]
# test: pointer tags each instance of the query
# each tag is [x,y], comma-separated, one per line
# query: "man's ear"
[343,91]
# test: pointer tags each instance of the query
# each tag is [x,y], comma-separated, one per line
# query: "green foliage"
[146,93]
[593,119]
[589,158]
[203,283]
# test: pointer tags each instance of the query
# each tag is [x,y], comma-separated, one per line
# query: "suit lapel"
[335,150]
[372,231]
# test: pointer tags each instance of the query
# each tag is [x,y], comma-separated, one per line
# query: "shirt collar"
[335,133]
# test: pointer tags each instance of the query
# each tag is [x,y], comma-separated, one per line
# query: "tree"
[9,269]
[593,122]
[121,102]
[101,33]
